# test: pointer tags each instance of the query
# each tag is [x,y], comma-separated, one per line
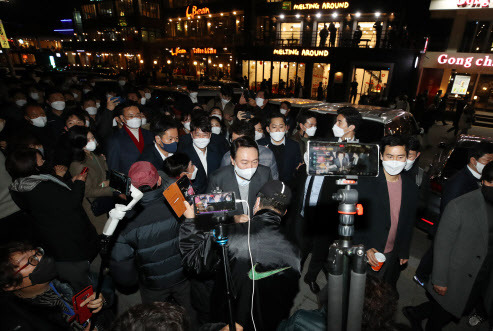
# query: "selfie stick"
[221,238]
[116,215]
[347,265]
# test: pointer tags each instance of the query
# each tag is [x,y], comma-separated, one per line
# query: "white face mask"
[75,95]
[201,142]
[34,95]
[2,125]
[409,164]
[259,102]
[194,173]
[144,121]
[310,132]
[20,102]
[479,167]
[245,173]
[86,90]
[93,84]
[218,116]
[186,125]
[224,102]
[277,136]
[134,123]
[258,135]
[40,122]
[58,105]
[91,145]
[143,101]
[147,95]
[283,111]
[216,129]
[98,105]
[122,82]
[88,123]
[92,110]
[338,132]
[193,96]
[393,167]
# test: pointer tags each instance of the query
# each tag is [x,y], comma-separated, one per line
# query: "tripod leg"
[229,294]
[336,290]
[357,291]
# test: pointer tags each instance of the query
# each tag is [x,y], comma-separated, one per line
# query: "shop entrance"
[372,83]
[320,75]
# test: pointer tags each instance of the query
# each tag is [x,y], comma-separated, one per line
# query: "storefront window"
[475,35]
[105,8]
[289,34]
[283,82]
[251,75]
[320,26]
[89,11]
[244,68]
[150,9]
[370,82]
[124,7]
[369,36]
[320,75]
[276,66]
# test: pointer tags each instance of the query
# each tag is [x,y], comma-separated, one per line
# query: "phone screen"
[342,159]
[186,188]
[120,182]
[214,203]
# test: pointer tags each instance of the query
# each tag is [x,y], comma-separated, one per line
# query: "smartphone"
[177,193]
[86,169]
[186,188]
[214,203]
[83,313]
[117,99]
[342,159]
[120,182]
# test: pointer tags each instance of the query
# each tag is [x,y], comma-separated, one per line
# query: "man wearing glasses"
[35,299]
[127,144]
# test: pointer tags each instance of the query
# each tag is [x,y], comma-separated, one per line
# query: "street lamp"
[281,16]
[377,14]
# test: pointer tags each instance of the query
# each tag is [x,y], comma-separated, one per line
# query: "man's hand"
[189,213]
[94,304]
[440,289]
[372,260]
[241,115]
[82,177]
[110,105]
[404,261]
[238,328]
[60,170]
[241,218]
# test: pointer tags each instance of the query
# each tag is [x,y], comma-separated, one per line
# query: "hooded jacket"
[276,270]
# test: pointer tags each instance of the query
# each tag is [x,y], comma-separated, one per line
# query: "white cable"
[251,262]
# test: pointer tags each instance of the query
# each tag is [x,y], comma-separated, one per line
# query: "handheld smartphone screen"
[342,159]
[83,313]
[120,182]
[214,203]
[186,188]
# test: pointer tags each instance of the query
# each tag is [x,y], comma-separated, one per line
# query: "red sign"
[466,62]
[473,3]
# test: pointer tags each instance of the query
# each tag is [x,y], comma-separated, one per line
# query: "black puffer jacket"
[276,261]
[146,249]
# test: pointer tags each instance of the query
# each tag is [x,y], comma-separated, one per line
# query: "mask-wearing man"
[307,127]
[244,176]
[412,168]
[56,108]
[348,119]
[286,151]
[89,105]
[165,144]
[390,201]
[177,166]
[224,101]
[31,277]
[127,144]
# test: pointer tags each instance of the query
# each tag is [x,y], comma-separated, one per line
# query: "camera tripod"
[347,265]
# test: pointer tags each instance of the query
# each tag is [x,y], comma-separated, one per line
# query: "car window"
[404,124]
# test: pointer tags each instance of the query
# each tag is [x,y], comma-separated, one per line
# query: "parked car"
[451,158]
[377,121]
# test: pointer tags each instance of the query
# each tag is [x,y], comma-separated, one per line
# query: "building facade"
[459,57]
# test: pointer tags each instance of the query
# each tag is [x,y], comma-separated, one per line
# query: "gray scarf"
[27,184]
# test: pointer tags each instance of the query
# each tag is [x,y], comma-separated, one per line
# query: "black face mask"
[44,272]
[487,193]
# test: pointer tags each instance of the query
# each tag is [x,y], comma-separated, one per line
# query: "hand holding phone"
[80,302]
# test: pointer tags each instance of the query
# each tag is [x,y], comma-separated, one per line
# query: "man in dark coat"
[274,272]
[324,33]
[463,260]
[126,145]
[146,249]
[166,139]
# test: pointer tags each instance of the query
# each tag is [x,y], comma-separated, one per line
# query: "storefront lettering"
[195,11]
[304,52]
[204,50]
[323,5]
[466,62]
[178,51]
[473,3]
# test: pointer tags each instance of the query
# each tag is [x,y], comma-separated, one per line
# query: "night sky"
[35,17]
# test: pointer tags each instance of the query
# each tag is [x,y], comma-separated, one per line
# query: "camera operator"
[276,262]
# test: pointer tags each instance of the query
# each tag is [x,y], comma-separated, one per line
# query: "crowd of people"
[61,138]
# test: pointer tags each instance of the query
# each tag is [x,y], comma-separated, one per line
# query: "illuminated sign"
[461,84]
[4,42]
[466,62]
[204,50]
[177,51]
[323,5]
[302,52]
[473,3]
[195,11]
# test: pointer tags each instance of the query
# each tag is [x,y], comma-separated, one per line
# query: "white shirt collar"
[474,173]
[283,142]
[162,155]
[202,157]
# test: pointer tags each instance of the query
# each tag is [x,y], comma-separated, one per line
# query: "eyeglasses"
[33,259]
